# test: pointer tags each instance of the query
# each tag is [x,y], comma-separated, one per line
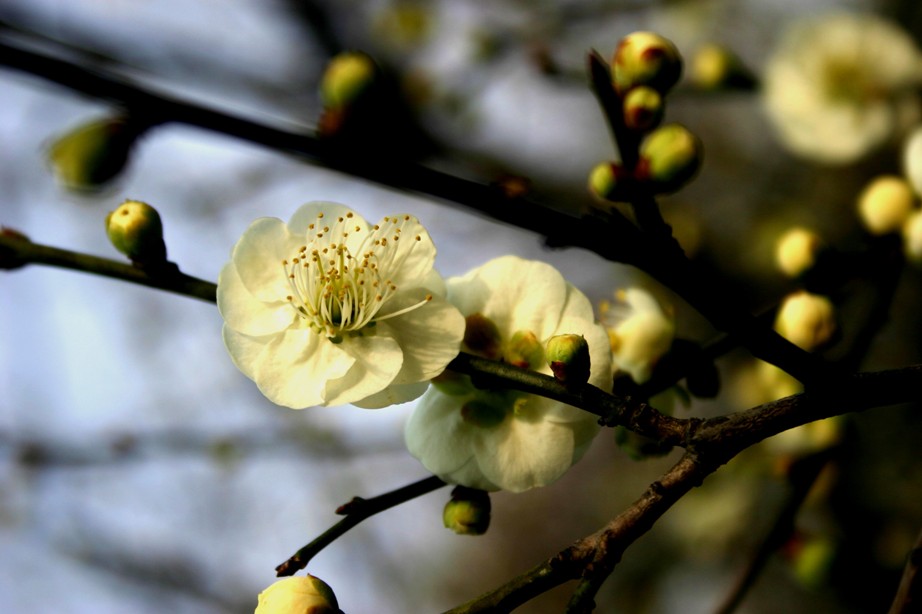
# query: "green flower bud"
[524,350]
[481,336]
[296,594]
[885,204]
[134,228]
[609,181]
[643,108]
[85,159]
[715,67]
[669,157]
[468,511]
[645,58]
[568,357]
[347,77]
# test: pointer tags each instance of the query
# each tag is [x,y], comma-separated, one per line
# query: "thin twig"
[355,511]
[16,253]
[909,594]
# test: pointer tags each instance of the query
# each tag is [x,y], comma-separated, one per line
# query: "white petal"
[307,215]
[393,395]
[516,294]
[437,436]
[376,361]
[258,258]
[244,350]
[244,312]
[295,367]
[429,335]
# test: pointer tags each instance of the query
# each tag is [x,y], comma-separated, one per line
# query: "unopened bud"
[89,156]
[806,320]
[481,336]
[643,108]
[347,76]
[524,350]
[568,357]
[468,511]
[796,251]
[298,595]
[716,67]
[645,58]
[669,157]
[885,203]
[134,228]
[609,181]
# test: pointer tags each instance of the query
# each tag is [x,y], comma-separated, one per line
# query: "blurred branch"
[802,476]
[17,252]
[909,594]
[355,511]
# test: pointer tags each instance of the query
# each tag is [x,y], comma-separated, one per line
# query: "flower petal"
[375,362]
[516,294]
[244,312]
[393,395]
[429,335]
[295,366]
[244,350]
[258,258]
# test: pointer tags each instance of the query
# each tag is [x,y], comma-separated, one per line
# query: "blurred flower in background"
[839,86]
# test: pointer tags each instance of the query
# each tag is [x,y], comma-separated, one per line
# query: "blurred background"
[141,472]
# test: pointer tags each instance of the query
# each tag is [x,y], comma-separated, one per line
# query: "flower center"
[337,291]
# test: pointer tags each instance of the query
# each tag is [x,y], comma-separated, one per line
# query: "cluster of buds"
[645,66]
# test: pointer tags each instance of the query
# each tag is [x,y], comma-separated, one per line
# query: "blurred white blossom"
[640,332]
[504,439]
[327,310]
[841,85]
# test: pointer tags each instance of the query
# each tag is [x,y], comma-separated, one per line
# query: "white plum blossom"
[839,86]
[640,332]
[505,439]
[328,310]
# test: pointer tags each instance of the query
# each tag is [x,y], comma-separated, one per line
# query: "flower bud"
[298,595]
[643,108]
[134,228]
[468,511]
[568,357]
[524,350]
[885,203]
[796,250]
[609,180]
[481,336]
[347,76]
[89,156]
[645,58]
[669,157]
[715,67]
[806,320]
[912,237]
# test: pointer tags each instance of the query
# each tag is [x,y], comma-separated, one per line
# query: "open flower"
[327,309]
[640,332]
[842,85]
[505,439]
